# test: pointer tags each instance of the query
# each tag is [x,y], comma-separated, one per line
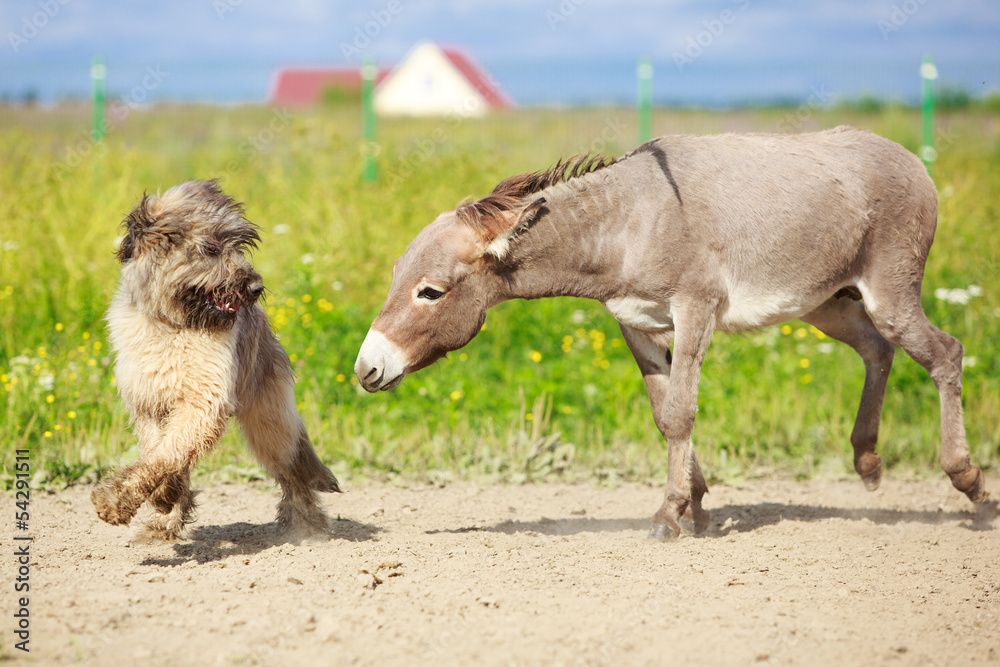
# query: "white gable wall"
[427,84]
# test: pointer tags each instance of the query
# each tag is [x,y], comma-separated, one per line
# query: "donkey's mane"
[511,191]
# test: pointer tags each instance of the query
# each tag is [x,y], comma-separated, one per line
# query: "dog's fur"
[193,349]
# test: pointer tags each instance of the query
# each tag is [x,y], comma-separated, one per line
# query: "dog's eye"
[213,248]
[430,294]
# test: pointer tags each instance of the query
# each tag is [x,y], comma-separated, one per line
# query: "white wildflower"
[281,229]
[957,295]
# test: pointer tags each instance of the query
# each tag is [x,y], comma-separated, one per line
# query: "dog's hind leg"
[277,437]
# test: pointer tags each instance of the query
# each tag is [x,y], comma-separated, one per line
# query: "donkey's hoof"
[702,519]
[699,517]
[978,493]
[662,533]
[869,466]
[873,479]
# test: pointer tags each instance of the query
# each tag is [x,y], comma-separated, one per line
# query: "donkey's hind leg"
[896,311]
[843,318]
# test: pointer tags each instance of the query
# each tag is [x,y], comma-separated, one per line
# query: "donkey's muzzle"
[381,363]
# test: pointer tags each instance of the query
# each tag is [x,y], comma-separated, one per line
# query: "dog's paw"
[158,531]
[110,509]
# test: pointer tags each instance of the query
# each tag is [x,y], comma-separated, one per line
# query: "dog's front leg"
[191,432]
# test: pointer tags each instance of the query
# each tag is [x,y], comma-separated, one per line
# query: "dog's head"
[184,257]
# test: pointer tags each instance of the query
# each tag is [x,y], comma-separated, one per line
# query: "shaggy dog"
[193,349]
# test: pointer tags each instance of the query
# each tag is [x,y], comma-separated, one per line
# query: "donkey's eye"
[430,294]
[213,248]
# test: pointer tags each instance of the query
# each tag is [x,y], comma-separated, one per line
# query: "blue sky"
[47,42]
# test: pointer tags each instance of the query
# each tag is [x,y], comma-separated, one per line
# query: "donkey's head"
[441,289]
[456,268]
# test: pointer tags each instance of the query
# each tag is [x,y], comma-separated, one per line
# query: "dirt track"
[789,573]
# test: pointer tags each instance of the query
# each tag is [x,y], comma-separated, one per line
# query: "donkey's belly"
[743,311]
[642,314]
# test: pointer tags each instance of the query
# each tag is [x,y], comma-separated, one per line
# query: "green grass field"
[547,389]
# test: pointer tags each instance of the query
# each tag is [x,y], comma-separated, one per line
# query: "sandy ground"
[817,573]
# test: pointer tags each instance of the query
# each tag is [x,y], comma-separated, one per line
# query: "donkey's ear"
[136,226]
[516,222]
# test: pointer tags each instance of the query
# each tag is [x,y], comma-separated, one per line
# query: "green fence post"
[928,74]
[98,73]
[644,73]
[368,73]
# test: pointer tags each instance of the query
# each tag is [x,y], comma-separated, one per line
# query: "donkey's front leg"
[674,404]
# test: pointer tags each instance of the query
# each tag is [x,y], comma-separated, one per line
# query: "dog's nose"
[256,288]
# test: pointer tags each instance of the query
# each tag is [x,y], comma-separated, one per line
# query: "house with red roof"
[305,86]
[429,81]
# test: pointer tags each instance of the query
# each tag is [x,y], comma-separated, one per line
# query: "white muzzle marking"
[381,363]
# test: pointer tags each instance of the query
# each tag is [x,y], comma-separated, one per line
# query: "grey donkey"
[684,236]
